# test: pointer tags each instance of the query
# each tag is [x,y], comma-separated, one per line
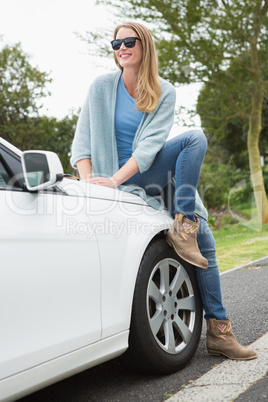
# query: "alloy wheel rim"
[171,306]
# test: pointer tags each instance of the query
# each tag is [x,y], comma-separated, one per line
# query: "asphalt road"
[258,392]
[245,295]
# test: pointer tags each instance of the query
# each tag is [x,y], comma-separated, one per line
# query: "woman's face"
[128,57]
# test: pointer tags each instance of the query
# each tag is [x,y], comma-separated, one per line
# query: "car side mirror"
[41,169]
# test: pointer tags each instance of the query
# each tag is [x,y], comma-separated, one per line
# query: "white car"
[85,275]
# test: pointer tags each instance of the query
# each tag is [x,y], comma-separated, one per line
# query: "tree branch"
[242,115]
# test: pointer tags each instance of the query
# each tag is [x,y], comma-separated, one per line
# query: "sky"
[46,31]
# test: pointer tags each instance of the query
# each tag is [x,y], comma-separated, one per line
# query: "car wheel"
[167,312]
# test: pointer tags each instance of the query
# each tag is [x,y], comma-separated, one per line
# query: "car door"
[49,276]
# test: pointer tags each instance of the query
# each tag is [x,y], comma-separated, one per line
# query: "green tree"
[198,39]
[216,109]
[56,136]
[22,88]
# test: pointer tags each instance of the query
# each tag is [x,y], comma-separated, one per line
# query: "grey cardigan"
[95,133]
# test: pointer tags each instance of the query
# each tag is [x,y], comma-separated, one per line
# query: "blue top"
[127,120]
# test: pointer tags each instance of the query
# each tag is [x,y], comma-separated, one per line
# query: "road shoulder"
[229,379]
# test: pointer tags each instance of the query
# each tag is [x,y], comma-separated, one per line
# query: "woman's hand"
[123,174]
[104,181]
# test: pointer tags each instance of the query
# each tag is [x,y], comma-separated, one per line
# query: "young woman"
[121,140]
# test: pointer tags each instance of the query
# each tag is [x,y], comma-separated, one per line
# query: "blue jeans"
[182,157]
[209,279]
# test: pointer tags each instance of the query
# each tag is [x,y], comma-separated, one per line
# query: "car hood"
[79,188]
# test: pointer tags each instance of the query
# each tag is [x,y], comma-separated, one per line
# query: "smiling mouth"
[125,55]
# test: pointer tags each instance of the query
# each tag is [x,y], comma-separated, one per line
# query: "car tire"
[167,311]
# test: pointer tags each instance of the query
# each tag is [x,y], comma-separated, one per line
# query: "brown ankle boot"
[221,341]
[182,236]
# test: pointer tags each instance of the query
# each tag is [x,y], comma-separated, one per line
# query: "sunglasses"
[128,42]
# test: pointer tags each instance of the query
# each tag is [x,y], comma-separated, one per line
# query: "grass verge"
[238,244]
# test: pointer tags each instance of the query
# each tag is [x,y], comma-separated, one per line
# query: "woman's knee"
[194,139]
[199,137]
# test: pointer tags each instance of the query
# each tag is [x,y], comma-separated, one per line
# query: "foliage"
[222,188]
[216,182]
[22,88]
[98,42]
[219,218]
[56,136]
[215,108]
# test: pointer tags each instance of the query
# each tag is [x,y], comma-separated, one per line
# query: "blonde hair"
[149,91]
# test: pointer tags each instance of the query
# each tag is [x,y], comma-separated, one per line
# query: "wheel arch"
[154,236]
